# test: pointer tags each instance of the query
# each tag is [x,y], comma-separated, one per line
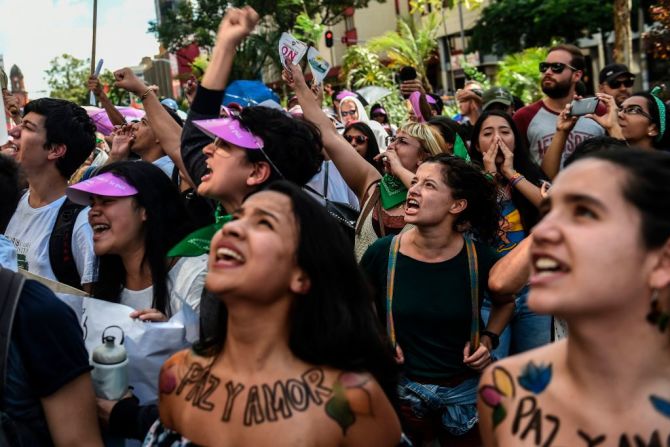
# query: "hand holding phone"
[581,107]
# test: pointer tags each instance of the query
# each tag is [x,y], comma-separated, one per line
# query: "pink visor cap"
[231,131]
[106,184]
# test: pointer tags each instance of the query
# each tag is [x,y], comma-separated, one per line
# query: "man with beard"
[562,69]
[617,81]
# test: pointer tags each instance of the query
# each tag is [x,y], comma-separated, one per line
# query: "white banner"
[148,344]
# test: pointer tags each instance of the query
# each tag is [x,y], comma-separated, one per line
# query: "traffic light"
[329,38]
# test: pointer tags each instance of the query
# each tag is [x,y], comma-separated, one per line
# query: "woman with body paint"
[298,358]
[600,260]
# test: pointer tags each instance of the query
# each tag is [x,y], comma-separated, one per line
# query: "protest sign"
[318,64]
[291,50]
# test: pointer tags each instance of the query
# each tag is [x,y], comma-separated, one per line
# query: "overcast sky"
[33,32]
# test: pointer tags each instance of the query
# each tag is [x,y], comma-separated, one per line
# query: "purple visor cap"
[106,184]
[231,131]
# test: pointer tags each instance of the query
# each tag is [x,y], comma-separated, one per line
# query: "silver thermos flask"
[110,368]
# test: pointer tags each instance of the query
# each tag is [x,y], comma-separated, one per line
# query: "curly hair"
[66,123]
[293,145]
[482,215]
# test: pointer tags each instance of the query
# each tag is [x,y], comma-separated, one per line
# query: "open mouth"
[544,265]
[411,206]
[228,257]
[99,229]
[208,174]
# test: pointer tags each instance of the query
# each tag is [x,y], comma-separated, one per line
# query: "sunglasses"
[350,112]
[359,139]
[628,83]
[556,67]
[635,110]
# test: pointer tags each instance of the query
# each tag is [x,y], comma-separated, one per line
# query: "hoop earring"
[655,316]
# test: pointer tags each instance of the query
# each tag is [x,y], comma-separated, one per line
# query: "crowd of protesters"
[498,278]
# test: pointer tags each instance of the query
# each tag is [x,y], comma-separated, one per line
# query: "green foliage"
[410,45]
[308,30]
[519,73]
[508,26]
[362,68]
[198,20]
[472,73]
[68,77]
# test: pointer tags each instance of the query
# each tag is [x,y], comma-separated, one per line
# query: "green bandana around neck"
[460,150]
[393,192]
[197,243]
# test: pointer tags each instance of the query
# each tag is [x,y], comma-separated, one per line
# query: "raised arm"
[165,128]
[207,96]
[357,172]
[114,115]
[551,163]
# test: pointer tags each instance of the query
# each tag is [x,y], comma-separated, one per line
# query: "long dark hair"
[334,323]
[373,147]
[523,164]
[482,215]
[167,223]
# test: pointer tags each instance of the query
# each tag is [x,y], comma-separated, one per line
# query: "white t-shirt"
[30,228]
[338,191]
[186,280]
[7,254]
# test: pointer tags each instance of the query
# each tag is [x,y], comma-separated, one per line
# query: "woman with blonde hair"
[382,196]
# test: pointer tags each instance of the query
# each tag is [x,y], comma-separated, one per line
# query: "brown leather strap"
[374,199]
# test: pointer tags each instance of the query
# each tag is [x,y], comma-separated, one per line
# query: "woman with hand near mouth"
[381,196]
[600,260]
[429,283]
[497,146]
[298,359]
[137,214]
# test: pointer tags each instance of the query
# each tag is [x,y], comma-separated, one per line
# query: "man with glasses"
[617,81]
[561,71]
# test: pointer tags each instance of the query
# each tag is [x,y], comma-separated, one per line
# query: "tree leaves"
[508,26]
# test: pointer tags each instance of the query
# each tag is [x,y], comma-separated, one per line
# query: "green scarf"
[460,150]
[393,192]
[197,243]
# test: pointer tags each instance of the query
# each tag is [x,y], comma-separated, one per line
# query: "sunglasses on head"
[346,113]
[556,67]
[628,83]
[359,139]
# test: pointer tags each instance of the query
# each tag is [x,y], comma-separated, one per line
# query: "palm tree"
[411,45]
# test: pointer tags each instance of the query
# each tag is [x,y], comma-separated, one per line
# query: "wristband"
[146,92]
[490,175]
[516,178]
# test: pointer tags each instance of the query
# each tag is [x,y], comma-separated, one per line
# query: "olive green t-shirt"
[431,306]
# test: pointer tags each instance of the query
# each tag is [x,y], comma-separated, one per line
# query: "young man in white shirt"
[54,139]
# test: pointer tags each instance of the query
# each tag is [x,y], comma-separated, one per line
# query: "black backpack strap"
[11,285]
[60,245]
